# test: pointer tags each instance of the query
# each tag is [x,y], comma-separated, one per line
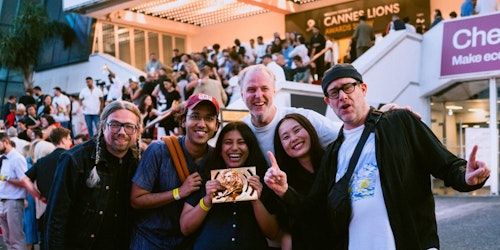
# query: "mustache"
[122,137]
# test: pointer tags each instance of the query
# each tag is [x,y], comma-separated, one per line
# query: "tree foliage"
[23,44]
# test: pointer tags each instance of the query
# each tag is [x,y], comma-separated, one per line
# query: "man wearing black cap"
[390,192]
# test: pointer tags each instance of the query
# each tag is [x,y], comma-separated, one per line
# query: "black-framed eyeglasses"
[115,127]
[346,88]
[197,118]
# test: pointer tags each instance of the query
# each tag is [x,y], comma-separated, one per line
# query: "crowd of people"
[96,175]
[114,192]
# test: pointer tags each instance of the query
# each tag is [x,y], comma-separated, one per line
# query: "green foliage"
[22,45]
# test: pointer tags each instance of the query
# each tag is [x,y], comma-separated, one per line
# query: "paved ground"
[464,222]
[468,222]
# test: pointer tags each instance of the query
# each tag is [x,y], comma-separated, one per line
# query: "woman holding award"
[233,210]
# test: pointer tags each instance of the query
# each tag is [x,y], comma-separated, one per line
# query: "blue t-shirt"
[159,228]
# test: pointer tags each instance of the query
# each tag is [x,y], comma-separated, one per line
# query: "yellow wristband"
[176,195]
[203,206]
[2,178]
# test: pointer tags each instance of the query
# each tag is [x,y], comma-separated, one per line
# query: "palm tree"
[22,45]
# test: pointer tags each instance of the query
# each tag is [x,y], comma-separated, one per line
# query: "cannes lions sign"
[340,20]
[471,45]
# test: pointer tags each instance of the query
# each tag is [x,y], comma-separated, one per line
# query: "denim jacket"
[83,216]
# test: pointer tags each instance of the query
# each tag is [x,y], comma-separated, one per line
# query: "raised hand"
[191,184]
[275,179]
[477,171]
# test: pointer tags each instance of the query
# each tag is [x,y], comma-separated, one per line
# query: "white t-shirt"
[61,101]
[332,56]
[91,100]
[327,129]
[278,71]
[13,167]
[260,50]
[486,6]
[302,51]
[369,227]
[115,91]
[234,88]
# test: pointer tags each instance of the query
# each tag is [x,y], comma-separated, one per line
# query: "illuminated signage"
[471,45]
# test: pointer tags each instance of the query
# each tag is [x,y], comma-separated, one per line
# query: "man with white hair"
[20,143]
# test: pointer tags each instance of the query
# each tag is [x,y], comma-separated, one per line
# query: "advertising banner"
[339,21]
[471,45]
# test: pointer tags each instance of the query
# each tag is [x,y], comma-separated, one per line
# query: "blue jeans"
[91,120]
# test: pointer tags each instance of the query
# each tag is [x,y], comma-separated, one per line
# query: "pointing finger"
[472,157]
[272,159]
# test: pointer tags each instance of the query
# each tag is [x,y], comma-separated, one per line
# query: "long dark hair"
[255,157]
[167,78]
[142,105]
[289,164]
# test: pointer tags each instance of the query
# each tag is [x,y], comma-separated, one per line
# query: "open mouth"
[298,145]
[234,156]
[200,132]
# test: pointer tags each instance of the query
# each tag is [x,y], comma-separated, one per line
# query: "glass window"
[108,39]
[124,44]
[167,50]
[180,43]
[153,44]
[7,11]
[140,49]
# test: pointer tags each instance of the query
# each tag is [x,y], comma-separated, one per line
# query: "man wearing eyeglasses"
[390,189]
[89,201]
[157,192]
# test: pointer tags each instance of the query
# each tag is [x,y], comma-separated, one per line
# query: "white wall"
[391,71]
[72,77]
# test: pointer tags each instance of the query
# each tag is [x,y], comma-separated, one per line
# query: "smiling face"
[199,131]
[118,143]
[44,122]
[148,101]
[234,149]
[258,91]
[294,138]
[48,100]
[351,108]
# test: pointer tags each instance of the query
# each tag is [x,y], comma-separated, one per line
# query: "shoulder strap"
[177,155]
[372,120]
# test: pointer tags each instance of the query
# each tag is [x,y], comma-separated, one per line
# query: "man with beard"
[89,202]
[157,192]
[258,91]
[12,194]
[389,184]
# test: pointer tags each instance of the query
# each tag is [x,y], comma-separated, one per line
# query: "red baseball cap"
[196,99]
